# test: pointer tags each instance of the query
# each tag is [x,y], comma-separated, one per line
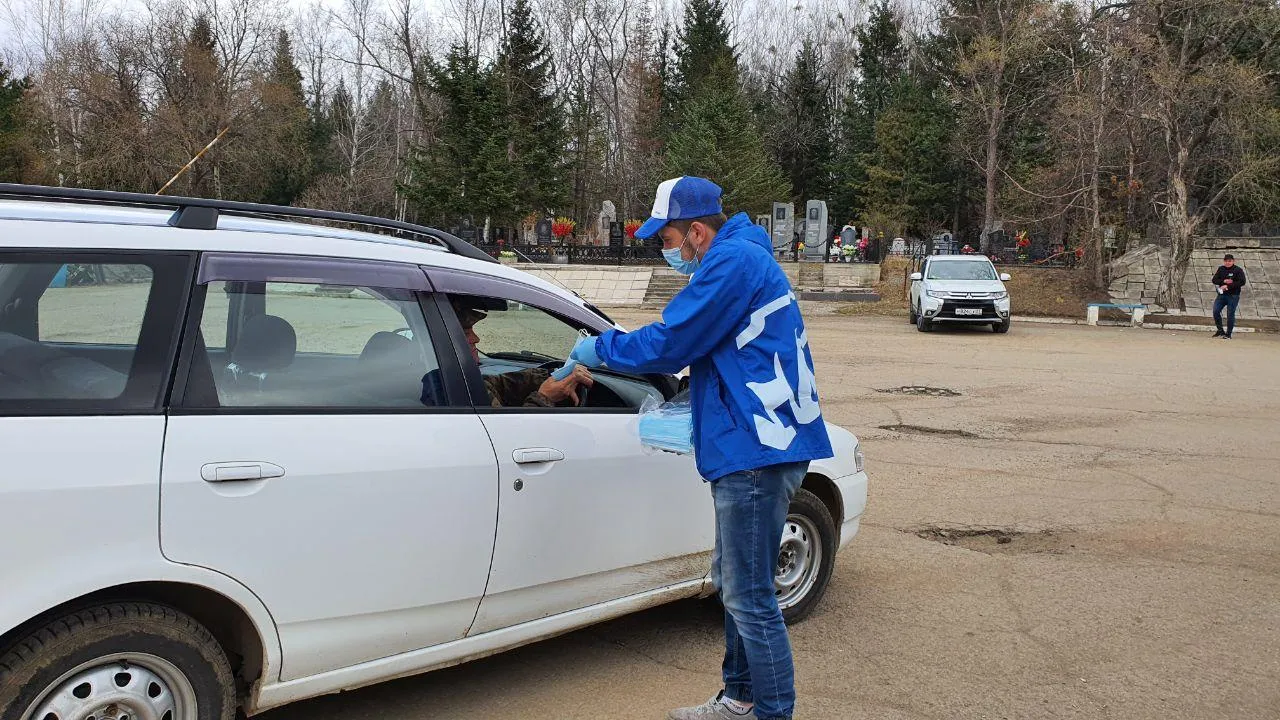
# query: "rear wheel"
[913,314]
[120,661]
[806,557]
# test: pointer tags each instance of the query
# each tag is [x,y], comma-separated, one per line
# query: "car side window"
[516,344]
[525,329]
[302,345]
[87,330]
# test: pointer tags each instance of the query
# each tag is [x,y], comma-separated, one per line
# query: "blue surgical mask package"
[667,426]
[565,370]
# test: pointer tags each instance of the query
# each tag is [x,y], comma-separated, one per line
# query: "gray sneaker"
[713,709]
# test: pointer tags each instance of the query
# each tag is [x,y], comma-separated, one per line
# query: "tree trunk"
[1095,200]
[1095,226]
[991,170]
[1182,227]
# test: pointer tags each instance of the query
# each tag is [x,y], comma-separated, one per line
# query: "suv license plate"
[968,311]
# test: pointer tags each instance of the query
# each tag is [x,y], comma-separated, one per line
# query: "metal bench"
[1137,312]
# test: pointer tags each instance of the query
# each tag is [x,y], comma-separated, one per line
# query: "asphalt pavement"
[1064,522]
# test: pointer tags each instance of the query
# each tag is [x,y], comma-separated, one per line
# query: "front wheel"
[1002,327]
[924,324]
[806,558]
[120,660]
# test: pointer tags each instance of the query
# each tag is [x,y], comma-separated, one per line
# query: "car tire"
[913,315]
[148,658]
[810,539]
[1002,327]
[924,324]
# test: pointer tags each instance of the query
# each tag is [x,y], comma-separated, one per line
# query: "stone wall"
[613,286]
[599,285]
[1135,276]
[832,275]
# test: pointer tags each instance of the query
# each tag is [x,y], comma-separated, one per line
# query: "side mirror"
[1004,277]
[916,277]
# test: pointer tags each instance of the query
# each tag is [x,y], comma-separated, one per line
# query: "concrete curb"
[1121,323]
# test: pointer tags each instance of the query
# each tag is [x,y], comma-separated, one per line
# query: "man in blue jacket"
[756,420]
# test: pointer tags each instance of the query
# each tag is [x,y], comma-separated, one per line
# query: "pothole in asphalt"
[921,390]
[997,540]
[923,430]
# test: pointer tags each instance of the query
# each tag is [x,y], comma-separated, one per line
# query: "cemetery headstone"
[543,231]
[468,231]
[783,226]
[816,236]
[608,216]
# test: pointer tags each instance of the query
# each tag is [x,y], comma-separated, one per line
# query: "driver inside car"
[533,387]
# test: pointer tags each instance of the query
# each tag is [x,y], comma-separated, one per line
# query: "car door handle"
[529,456]
[237,471]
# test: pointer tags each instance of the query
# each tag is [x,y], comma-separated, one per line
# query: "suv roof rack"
[202,213]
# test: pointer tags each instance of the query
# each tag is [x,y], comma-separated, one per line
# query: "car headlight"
[858,458]
[935,294]
[1001,296]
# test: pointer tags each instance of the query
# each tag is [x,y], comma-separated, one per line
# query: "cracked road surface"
[1136,473]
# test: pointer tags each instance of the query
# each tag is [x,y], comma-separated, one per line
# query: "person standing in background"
[1230,280]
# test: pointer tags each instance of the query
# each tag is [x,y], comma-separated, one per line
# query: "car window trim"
[158,338]
[268,267]
[455,396]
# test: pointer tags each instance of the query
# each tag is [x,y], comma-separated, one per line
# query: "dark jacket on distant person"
[1236,273]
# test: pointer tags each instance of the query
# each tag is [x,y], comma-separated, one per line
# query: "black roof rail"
[202,213]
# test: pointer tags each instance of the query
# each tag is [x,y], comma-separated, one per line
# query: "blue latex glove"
[565,371]
[584,351]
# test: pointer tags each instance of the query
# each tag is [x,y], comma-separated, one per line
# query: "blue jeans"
[751,508]
[1228,301]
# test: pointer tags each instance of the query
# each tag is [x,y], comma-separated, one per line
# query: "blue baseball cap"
[681,198]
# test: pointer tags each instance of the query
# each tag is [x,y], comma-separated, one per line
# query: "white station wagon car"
[959,289]
[249,461]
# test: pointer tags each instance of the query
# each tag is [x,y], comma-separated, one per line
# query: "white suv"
[959,289]
[249,461]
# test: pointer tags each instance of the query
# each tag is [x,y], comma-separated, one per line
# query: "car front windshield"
[962,270]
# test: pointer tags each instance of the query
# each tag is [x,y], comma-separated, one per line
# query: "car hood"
[982,286]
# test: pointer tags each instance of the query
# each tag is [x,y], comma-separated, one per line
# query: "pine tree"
[881,64]
[282,133]
[18,158]
[909,174]
[802,135]
[704,55]
[718,140]
[533,116]
[464,171]
[714,133]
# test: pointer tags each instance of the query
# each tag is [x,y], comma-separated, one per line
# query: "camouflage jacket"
[517,389]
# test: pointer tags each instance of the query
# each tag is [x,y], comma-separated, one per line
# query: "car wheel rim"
[799,559]
[122,686]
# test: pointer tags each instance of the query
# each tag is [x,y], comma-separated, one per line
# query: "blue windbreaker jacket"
[738,328]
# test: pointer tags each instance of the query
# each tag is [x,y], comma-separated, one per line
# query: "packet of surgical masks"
[565,370]
[667,426]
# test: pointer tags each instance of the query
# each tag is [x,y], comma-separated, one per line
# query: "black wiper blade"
[523,355]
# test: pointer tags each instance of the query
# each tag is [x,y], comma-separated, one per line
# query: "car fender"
[62,585]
